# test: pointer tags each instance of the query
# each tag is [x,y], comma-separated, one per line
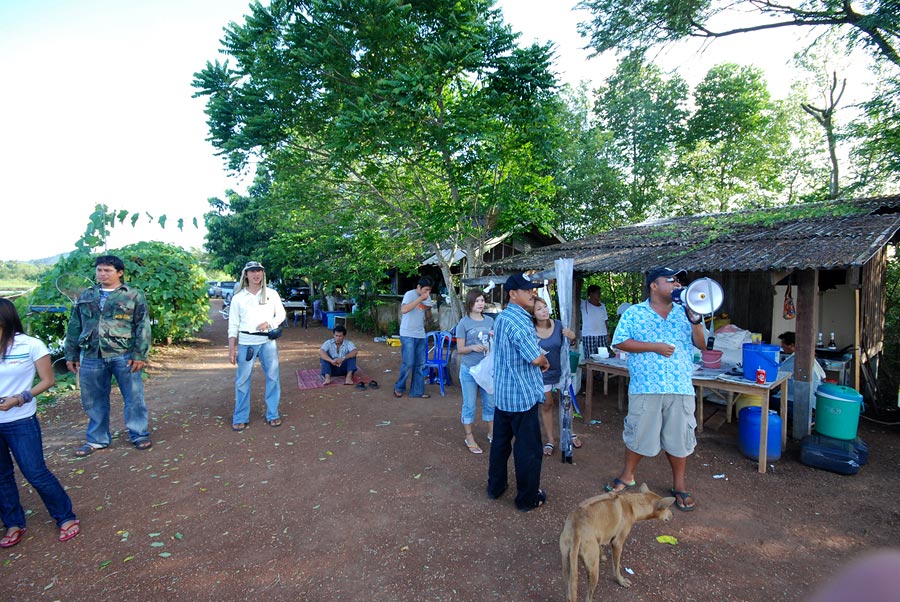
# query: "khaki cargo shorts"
[660,422]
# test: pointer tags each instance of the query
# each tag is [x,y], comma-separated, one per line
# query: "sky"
[97,107]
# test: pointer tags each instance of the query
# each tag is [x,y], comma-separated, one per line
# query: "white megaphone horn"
[702,296]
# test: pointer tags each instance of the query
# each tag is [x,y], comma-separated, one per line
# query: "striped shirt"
[330,347]
[518,384]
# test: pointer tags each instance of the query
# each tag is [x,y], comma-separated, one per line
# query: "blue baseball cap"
[663,273]
[520,282]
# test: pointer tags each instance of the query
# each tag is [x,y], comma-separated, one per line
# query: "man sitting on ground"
[338,357]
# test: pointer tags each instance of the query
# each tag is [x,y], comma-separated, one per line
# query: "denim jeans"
[412,360]
[470,391]
[348,365]
[96,376]
[268,359]
[21,439]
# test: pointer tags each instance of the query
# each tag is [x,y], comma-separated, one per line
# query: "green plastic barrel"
[837,411]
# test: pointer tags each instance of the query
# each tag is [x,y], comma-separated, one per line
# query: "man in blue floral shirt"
[518,389]
[659,339]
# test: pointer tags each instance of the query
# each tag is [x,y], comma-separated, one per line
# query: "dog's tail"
[568,548]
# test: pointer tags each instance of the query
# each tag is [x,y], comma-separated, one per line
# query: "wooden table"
[738,384]
[609,366]
[703,379]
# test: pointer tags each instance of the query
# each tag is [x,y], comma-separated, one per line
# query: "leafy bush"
[171,279]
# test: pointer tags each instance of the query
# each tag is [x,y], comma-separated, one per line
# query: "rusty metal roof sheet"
[833,235]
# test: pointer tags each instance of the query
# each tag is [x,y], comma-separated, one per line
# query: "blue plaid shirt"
[518,383]
[651,372]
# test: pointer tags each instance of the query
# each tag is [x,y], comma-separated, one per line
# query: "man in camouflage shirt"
[109,335]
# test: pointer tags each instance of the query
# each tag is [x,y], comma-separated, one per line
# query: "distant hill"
[47,260]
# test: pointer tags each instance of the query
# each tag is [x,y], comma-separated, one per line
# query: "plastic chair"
[438,357]
[318,314]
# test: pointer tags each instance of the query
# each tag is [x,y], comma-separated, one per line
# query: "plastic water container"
[749,420]
[760,356]
[837,411]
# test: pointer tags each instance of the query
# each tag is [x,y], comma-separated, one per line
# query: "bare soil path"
[361,496]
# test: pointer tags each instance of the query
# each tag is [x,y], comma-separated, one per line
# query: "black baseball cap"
[520,282]
[663,273]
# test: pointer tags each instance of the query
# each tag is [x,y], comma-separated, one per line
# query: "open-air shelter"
[833,255]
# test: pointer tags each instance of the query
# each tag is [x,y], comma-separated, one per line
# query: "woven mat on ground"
[312,379]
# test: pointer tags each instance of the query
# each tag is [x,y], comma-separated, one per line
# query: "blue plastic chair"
[437,357]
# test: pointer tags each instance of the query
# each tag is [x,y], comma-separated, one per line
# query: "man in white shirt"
[255,310]
[594,332]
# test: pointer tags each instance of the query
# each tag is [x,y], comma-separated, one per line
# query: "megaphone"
[702,296]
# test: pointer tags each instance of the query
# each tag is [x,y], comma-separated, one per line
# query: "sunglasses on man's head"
[671,279]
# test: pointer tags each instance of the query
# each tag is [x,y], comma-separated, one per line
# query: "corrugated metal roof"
[838,235]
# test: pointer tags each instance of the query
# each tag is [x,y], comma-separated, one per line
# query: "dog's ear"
[644,488]
[665,502]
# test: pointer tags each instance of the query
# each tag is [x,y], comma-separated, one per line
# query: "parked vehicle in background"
[214,290]
[295,290]
[227,290]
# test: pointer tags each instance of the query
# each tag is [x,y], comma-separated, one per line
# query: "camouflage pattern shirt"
[122,326]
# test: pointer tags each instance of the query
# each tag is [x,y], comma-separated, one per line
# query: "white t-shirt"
[593,319]
[17,372]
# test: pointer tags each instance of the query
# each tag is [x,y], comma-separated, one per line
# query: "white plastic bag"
[483,372]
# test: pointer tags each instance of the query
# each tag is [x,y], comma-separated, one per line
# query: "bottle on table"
[820,342]
[831,343]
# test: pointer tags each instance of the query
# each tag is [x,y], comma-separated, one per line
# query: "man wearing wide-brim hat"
[518,389]
[660,339]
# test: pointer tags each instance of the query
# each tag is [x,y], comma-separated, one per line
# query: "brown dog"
[605,520]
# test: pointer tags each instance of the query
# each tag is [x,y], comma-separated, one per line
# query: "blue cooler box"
[828,453]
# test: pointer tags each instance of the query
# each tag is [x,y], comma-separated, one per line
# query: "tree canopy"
[424,116]
[626,25]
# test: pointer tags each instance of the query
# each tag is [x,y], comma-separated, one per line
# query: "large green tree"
[638,24]
[590,188]
[735,144]
[645,113]
[424,112]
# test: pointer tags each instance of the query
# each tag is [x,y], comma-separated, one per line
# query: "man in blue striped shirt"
[518,389]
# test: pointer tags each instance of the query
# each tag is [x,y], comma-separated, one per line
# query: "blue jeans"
[470,390]
[412,360]
[96,376]
[21,439]
[268,358]
[349,365]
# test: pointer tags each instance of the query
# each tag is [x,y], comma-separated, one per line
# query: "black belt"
[259,334]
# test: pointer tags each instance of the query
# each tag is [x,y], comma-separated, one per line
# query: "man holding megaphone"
[660,338]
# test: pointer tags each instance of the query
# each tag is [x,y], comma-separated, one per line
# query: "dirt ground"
[361,496]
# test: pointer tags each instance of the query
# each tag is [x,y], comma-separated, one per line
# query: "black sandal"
[373,384]
[85,450]
[361,386]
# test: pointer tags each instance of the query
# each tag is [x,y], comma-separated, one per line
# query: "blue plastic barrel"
[749,420]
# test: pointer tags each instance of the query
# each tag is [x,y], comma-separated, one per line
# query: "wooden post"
[805,354]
